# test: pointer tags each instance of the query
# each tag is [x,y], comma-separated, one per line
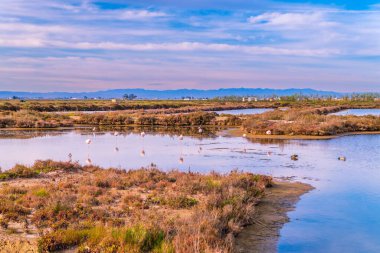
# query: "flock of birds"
[293,157]
[142,153]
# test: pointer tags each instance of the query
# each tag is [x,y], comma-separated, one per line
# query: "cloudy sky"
[87,45]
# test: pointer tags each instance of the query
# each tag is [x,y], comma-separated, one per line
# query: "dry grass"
[311,121]
[145,210]
[171,106]
[144,119]
[30,119]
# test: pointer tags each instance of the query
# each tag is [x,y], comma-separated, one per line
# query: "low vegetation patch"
[310,121]
[91,209]
[31,119]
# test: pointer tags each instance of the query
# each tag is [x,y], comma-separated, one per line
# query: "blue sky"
[82,45]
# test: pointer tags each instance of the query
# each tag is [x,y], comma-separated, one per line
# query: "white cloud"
[141,14]
[22,43]
[290,19]
[24,27]
[182,46]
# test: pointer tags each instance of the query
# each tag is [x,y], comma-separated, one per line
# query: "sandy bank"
[270,216]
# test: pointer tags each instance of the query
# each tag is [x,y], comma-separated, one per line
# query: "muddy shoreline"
[270,217]
[235,132]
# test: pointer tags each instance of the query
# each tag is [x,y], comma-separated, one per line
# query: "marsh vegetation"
[309,121]
[64,205]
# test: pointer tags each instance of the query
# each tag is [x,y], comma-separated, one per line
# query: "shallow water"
[341,215]
[245,111]
[359,112]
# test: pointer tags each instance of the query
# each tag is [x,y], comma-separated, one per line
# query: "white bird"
[200,130]
[88,161]
[88,141]
[142,153]
[116,133]
[244,135]
[181,160]
[94,129]
[342,158]
[142,134]
[181,137]
[269,132]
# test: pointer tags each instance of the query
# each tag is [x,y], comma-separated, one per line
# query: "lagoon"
[358,112]
[340,215]
[245,111]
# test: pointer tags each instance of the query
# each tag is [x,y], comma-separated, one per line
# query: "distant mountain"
[169,94]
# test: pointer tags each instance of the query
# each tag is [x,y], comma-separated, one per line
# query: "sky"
[90,45]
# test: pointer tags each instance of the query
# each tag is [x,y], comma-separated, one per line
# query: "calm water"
[245,111]
[341,215]
[359,112]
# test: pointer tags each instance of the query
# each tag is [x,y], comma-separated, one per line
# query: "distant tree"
[129,96]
